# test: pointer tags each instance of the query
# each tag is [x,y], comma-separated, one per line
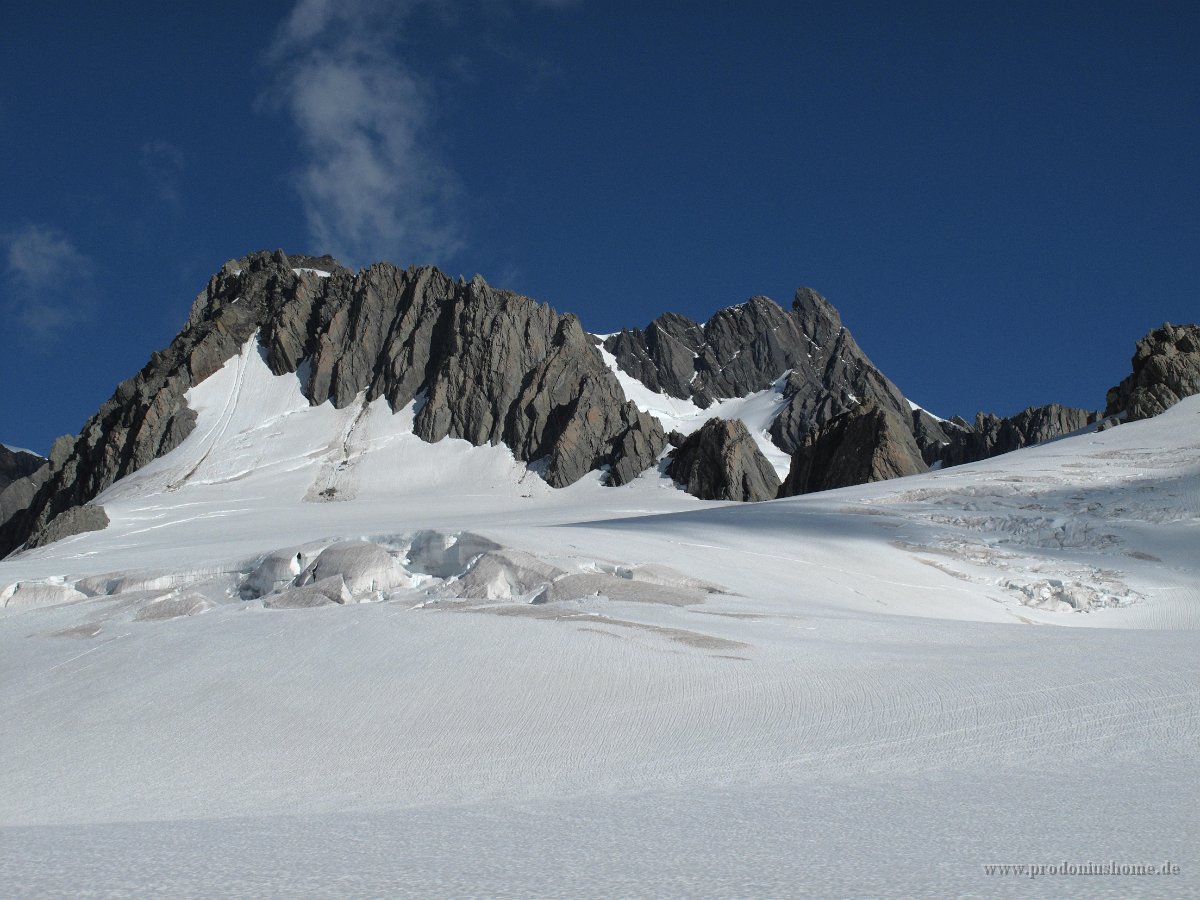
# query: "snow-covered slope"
[841,694]
[757,411]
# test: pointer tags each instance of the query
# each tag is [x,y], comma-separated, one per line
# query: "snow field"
[516,690]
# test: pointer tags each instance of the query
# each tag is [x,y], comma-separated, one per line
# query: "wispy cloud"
[163,164]
[370,186]
[49,283]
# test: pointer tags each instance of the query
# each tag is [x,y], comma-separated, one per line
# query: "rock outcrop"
[491,367]
[1166,368]
[21,475]
[932,434]
[16,464]
[721,461]
[663,357]
[747,348]
[19,494]
[833,377]
[991,435]
[75,520]
[869,443]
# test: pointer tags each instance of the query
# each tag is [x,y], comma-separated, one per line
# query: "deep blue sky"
[999,197]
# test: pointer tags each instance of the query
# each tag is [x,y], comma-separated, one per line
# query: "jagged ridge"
[747,347]
[720,461]
[494,367]
[990,435]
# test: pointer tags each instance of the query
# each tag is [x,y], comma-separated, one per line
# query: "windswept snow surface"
[860,693]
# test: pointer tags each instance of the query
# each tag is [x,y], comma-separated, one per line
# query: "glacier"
[530,691]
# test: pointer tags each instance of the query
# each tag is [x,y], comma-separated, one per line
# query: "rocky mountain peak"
[494,367]
[746,348]
[1166,368]
[818,318]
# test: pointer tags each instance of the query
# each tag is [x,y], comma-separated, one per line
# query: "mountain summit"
[494,368]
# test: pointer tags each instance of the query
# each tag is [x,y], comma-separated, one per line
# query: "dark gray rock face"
[1166,368]
[324,263]
[1041,423]
[991,435]
[514,372]
[933,435]
[75,520]
[745,348]
[829,384]
[720,461]
[21,476]
[20,493]
[869,443]
[494,367]
[663,357]
[16,464]
[741,349]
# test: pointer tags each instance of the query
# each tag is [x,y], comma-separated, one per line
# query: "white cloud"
[371,186]
[49,284]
